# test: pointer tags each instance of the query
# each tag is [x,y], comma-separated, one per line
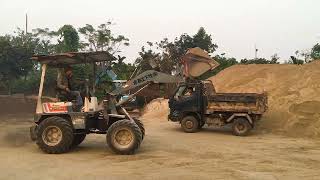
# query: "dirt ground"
[166,153]
[284,145]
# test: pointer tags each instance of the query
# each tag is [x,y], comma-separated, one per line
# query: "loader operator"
[65,86]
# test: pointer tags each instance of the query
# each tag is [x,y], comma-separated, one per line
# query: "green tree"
[147,58]
[315,52]
[301,55]
[295,60]
[204,41]
[273,60]
[15,54]
[68,40]
[180,45]
[45,39]
[122,69]
[102,38]
[167,55]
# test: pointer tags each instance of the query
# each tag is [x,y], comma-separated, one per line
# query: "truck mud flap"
[240,115]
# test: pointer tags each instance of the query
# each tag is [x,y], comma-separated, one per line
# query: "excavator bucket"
[197,62]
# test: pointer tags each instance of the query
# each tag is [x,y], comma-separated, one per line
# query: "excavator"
[153,84]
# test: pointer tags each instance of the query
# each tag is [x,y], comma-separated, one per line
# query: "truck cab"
[183,102]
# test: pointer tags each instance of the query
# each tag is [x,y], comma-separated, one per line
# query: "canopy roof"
[70,58]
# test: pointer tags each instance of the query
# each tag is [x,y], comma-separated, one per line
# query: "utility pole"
[26,23]
[255,52]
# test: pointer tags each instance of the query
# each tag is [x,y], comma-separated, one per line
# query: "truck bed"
[251,103]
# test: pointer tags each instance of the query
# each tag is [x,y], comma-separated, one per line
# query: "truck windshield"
[180,92]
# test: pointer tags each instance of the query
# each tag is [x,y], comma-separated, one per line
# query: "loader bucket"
[197,62]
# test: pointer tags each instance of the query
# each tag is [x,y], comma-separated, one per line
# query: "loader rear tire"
[190,124]
[54,135]
[241,126]
[124,137]
[141,126]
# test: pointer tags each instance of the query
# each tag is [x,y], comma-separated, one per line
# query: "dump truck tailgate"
[237,102]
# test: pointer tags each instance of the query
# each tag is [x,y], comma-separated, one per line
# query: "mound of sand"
[293,94]
[156,109]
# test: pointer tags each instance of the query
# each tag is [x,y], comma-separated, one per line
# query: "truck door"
[185,99]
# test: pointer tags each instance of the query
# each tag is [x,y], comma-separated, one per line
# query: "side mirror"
[177,97]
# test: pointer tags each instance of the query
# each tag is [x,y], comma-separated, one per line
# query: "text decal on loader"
[145,78]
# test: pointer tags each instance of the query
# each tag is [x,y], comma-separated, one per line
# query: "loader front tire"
[124,137]
[54,135]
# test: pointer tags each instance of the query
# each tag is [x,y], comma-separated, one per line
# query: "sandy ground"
[166,153]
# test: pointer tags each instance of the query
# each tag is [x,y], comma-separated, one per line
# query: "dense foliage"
[18,74]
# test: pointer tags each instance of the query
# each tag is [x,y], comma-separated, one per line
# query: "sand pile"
[156,109]
[293,93]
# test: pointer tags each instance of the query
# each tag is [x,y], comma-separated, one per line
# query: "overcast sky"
[275,26]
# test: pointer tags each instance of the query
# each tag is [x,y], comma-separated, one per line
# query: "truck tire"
[54,135]
[78,139]
[241,126]
[141,126]
[190,124]
[124,137]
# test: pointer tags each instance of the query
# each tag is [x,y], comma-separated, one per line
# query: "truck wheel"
[124,137]
[141,126]
[54,135]
[190,124]
[241,126]
[77,139]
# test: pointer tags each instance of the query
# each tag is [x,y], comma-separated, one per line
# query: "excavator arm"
[152,84]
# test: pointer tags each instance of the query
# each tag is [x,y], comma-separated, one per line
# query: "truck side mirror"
[177,97]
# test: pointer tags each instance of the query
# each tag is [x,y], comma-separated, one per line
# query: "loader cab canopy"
[63,60]
[72,58]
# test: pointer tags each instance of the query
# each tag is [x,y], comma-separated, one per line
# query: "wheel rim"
[123,137]
[189,124]
[52,135]
[241,127]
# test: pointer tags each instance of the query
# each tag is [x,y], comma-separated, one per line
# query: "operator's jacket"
[63,82]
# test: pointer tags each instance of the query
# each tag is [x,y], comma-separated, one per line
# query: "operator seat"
[60,95]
